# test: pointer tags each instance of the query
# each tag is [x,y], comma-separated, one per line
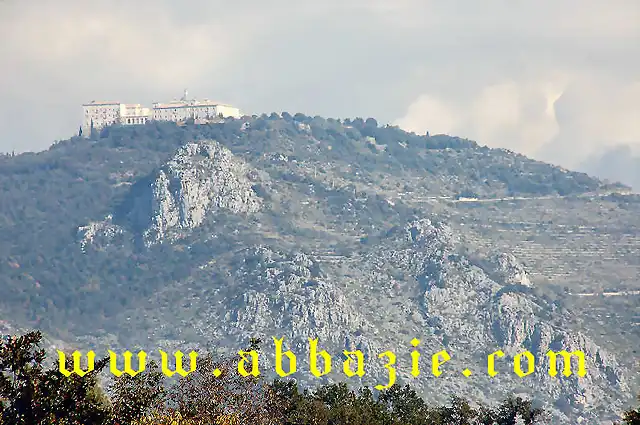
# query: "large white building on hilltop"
[101,114]
[185,108]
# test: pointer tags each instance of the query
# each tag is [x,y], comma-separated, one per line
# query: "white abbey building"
[101,114]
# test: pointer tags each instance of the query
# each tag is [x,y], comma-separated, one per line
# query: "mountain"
[364,236]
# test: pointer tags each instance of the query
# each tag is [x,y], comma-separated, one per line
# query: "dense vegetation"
[31,394]
[46,280]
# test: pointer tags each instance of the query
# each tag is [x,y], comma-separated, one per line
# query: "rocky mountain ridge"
[292,226]
[455,302]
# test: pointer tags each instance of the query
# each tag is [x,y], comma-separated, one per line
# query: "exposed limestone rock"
[201,178]
[98,233]
[510,270]
[444,299]
[287,294]
[474,309]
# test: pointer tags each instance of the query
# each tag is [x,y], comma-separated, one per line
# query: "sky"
[556,80]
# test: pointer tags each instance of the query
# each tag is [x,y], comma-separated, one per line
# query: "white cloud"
[517,115]
[562,117]
[541,77]
[431,114]
[594,114]
[128,42]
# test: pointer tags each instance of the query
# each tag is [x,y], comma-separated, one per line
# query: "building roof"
[212,102]
[188,104]
[170,105]
[100,102]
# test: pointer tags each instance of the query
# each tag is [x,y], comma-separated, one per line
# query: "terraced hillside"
[589,244]
[584,250]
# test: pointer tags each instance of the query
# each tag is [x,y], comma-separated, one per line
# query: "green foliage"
[33,395]
[405,404]
[337,404]
[134,397]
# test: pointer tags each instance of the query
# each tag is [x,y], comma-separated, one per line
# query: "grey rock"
[201,178]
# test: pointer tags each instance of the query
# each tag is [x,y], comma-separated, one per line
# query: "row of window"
[136,120]
[143,120]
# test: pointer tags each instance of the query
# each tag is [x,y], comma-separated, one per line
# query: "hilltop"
[364,236]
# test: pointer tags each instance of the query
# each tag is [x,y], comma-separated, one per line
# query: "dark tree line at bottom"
[31,394]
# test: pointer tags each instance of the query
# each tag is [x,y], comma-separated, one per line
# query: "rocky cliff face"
[412,284]
[202,178]
[411,280]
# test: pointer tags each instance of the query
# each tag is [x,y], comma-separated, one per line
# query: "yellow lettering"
[415,357]
[517,365]
[491,362]
[91,357]
[436,363]
[347,363]
[566,356]
[179,370]
[390,368]
[290,356]
[142,356]
[254,363]
[313,359]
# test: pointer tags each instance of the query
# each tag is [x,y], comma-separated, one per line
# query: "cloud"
[529,76]
[518,115]
[562,119]
[619,163]
[595,114]
[130,43]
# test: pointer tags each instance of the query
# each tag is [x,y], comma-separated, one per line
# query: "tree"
[136,396]
[32,395]
[459,412]
[405,404]
[157,416]
[512,409]
[300,117]
[216,390]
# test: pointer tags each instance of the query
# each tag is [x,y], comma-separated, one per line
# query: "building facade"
[101,114]
[98,114]
[194,109]
[132,114]
[198,110]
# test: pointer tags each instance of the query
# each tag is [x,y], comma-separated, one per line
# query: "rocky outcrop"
[200,179]
[509,270]
[477,309]
[414,283]
[99,233]
[288,296]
